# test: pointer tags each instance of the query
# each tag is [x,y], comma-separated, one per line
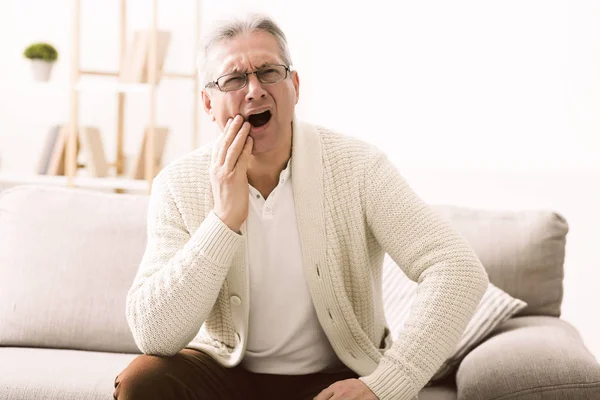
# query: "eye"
[271,74]
[231,81]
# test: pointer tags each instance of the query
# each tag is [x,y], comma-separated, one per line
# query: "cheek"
[291,93]
[227,108]
[233,103]
[287,101]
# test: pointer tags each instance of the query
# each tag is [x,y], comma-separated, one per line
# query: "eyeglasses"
[239,80]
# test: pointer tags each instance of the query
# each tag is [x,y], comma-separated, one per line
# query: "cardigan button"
[235,300]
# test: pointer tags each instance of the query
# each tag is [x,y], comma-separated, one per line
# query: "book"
[135,59]
[92,148]
[135,66]
[160,135]
[56,165]
[46,153]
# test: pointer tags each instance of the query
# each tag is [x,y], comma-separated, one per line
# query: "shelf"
[138,185]
[94,80]
[111,87]
[175,75]
[38,88]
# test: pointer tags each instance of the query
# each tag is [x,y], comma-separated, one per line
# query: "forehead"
[245,52]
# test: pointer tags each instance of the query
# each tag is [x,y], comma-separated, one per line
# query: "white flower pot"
[41,70]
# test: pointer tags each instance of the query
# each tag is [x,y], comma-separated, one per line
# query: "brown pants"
[193,375]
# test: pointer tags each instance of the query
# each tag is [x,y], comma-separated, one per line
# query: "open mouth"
[260,119]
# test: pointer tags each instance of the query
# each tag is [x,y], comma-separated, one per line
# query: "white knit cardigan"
[352,206]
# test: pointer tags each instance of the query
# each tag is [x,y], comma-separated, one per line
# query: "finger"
[221,142]
[245,156]
[218,143]
[235,150]
[227,124]
[326,394]
[228,136]
[237,147]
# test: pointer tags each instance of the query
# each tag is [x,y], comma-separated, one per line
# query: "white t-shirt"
[285,336]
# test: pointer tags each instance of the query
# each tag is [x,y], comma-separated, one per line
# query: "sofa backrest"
[69,256]
[523,252]
[67,260]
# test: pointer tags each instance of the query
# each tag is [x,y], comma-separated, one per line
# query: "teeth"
[258,113]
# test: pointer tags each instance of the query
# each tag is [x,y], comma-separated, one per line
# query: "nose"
[255,89]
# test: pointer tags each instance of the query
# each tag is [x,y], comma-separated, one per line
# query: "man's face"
[246,53]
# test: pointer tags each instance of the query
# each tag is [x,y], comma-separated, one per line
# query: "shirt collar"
[286,173]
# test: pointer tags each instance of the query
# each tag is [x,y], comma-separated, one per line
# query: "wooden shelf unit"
[121,89]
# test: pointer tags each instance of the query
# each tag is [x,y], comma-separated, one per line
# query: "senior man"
[262,273]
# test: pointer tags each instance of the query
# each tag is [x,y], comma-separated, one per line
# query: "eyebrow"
[236,69]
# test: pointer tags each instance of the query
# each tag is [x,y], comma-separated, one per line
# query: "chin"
[261,147]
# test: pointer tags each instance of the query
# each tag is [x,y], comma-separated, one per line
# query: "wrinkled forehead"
[244,53]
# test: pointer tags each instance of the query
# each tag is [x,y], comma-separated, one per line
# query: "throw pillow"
[495,307]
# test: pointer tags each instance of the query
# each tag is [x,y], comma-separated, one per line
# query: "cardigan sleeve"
[179,277]
[431,252]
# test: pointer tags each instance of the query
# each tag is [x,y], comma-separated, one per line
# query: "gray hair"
[236,27]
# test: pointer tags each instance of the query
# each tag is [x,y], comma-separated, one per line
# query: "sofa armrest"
[533,357]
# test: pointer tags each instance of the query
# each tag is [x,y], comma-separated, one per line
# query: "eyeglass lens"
[268,74]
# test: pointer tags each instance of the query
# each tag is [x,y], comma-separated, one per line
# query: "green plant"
[43,51]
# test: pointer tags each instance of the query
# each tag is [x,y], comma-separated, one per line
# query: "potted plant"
[42,56]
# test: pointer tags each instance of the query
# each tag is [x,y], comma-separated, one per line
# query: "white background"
[479,103]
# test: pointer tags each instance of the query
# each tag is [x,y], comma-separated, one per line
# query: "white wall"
[509,89]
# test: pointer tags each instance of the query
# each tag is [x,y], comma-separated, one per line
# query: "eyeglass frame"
[214,83]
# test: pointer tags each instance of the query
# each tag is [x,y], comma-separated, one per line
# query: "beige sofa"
[68,257]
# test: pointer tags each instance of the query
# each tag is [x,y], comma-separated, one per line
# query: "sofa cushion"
[67,260]
[440,392]
[495,307]
[530,358]
[437,393]
[50,374]
[522,251]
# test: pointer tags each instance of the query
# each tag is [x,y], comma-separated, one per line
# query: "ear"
[296,83]
[206,103]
